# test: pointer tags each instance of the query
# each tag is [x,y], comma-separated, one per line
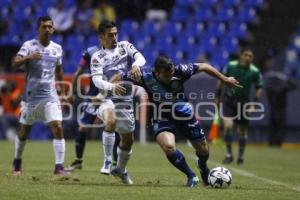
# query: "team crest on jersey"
[95,61]
[101,55]
[122,51]
[54,52]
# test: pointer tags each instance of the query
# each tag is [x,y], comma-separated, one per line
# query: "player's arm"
[24,56]
[207,68]
[78,72]
[139,61]
[97,78]
[59,78]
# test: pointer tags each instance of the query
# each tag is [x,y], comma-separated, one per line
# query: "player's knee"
[110,124]
[126,141]
[82,129]
[169,148]
[57,130]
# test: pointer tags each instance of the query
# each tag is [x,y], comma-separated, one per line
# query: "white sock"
[19,147]
[108,140]
[123,157]
[59,147]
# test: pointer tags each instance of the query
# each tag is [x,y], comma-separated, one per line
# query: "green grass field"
[268,173]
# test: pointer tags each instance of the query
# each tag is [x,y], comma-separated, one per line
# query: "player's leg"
[87,118]
[125,128]
[166,141]
[20,142]
[228,138]
[53,117]
[106,113]
[228,112]
[242,130]
[194,133]
[26,121]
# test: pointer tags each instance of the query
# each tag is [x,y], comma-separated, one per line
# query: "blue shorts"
[190,129]
[88,114]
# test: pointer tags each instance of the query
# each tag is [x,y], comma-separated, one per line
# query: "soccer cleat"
[204,177]
[76,164]
[227,160]
[124,176]
[59,170]
[106,167]
[192,181]
[17,167]
[240,161]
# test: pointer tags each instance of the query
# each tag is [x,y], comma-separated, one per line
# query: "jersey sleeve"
[59,60]
[225,70]
[258,80]
[130,49]
[96,68]
[185,71]
[24,50]
[85,60]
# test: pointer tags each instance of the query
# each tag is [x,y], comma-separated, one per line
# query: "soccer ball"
[219,177]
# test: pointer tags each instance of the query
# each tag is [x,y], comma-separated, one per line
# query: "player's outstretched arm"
[230,81]
[21,60]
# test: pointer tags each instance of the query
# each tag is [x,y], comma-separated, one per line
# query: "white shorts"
[124,115]
[43,111]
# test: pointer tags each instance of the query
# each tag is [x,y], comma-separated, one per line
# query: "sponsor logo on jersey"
[122,51]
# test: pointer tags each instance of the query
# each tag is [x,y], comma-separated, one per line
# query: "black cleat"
[227,160]
[240,161]
[204,176]
[76,164]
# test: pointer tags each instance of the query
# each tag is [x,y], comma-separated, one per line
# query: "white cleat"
[124,176]
[105,169]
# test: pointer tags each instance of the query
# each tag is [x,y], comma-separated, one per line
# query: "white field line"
[251,175]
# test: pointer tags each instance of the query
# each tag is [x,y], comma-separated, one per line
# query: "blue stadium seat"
[254,3]
[231,3]
[185,2]
[247,14]
[216,29]
[150,27]
[238,29]
[203,15]
[129,26]
[172,28]
[231,44]
[179,13]
[225,14]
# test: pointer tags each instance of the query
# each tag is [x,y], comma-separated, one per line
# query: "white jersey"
[108,62]
[40,79]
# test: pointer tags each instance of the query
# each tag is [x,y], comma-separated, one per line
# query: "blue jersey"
[84,63]
[172,96]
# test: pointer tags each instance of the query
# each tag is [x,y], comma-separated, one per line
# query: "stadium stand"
[194,27]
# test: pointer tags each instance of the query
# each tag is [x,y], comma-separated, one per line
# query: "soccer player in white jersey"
[116,110]
[43,62]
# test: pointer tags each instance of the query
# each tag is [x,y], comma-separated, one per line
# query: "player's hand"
[232,82]
[35,56]
[136,73]
[115,78]
[119,90]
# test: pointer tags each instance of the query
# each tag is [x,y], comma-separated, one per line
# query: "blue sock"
[80,144]
[178,160]
[202,162]
[117,142]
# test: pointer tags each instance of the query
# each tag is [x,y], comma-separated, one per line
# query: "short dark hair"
[104,25]
[42,19]
[163,62]
[247,48]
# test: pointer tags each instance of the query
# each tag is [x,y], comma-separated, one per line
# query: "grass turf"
[268,173]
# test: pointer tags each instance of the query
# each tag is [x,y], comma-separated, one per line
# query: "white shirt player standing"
[42,59]
[116,110]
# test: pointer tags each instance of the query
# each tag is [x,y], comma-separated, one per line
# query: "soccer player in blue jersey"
[174,114]
[88,116]
[42,59]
